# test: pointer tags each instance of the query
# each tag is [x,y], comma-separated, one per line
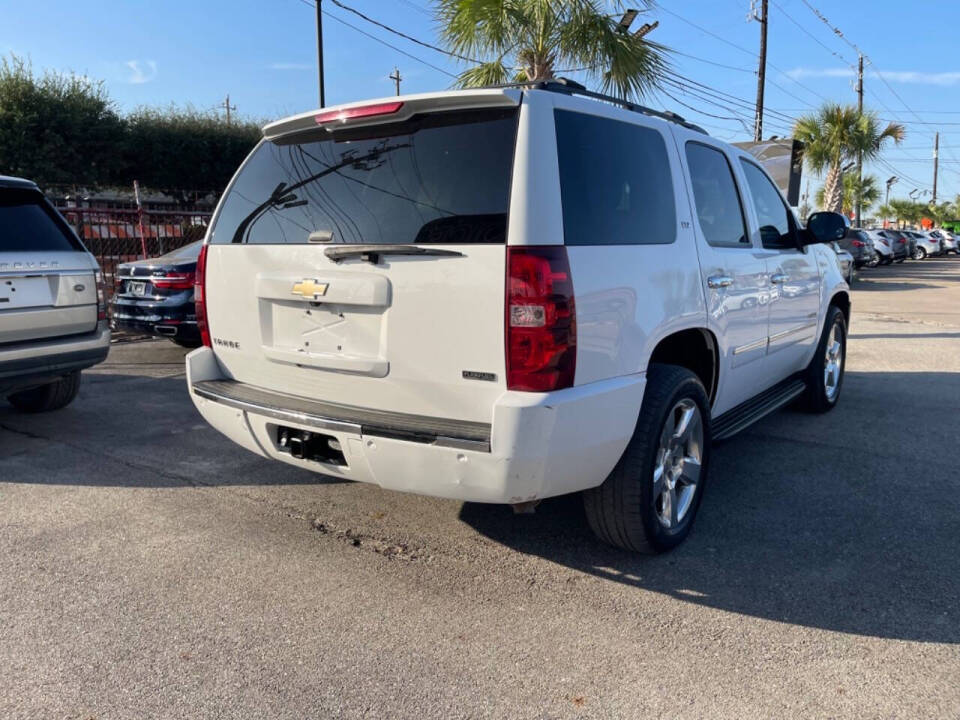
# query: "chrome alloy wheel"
[676,470]
[832,363]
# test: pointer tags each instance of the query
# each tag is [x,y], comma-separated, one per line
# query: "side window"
[776,231]
[716,197]
[615,182]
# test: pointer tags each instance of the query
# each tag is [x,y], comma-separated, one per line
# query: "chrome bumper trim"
[440,432]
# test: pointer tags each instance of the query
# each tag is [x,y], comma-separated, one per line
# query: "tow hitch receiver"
[306,445]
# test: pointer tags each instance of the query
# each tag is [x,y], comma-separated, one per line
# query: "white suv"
[52,314]
[502,295]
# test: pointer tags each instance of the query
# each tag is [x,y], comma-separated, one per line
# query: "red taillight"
[174,281]
[101,297]
[358,112]
[541,323]
[859,243]
[200,298]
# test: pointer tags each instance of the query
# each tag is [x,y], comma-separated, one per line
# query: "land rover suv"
[52,315]
[502,295]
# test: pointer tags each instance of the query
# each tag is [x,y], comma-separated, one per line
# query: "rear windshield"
[441,178]
[29,224]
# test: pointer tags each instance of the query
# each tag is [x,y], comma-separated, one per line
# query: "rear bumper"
[36,362]
[537,445]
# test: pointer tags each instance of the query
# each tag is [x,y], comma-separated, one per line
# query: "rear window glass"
[615,182]
[29,224]
[441,178]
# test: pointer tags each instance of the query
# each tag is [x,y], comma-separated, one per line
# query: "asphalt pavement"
[153,569]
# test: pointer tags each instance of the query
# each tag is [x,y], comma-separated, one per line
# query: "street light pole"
[320,50]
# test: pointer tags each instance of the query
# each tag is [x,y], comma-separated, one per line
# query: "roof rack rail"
[570,87]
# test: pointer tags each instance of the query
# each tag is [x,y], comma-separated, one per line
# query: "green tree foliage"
[536,39]
[57,128]
[834,137]
[63,131]
[866,188]
[177,149]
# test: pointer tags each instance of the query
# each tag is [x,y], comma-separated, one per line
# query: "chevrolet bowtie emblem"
[310,289]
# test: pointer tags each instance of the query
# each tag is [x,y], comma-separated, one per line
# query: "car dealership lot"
[154,569]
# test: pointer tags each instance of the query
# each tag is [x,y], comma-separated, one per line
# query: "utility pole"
[858,205]
[761,71]
[396,78]
[320,51]
[228,107]
[936,163]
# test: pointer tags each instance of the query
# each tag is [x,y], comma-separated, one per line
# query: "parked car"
[926,245]
[883,247]
[859,245]
[899,244]
[890,245]
[351,302]
[948,243]
[155,296]
[847,262]
[52,315]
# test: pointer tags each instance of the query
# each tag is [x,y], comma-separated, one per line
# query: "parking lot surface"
[154,569]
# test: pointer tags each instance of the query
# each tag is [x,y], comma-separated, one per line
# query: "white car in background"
[502,295]
[927,245]
[882,245]
[52,314]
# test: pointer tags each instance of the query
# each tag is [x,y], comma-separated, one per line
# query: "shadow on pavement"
[147,424]
[794,528]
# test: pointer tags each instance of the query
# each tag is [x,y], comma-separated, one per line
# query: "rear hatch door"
[47,282]
[363,263]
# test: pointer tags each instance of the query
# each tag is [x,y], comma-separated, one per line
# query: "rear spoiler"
[389,110]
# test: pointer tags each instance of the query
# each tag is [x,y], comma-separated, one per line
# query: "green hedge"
[63,131]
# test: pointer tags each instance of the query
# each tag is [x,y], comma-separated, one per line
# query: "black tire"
[623,510]
[188,343]
[921,254]
[51,396]
[816,398]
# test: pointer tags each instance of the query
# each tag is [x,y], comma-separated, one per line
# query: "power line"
[749,71]
[403,34]
[382,42]
[814,37]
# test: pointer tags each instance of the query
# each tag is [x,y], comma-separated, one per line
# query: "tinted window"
[438,178]
[715,197]
[615,182]
[28,223]
[775,231]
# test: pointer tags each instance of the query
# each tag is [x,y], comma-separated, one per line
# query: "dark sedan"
[155,296]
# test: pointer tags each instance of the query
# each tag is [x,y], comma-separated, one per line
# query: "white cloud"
[141,71]
[290,66]
[908,77]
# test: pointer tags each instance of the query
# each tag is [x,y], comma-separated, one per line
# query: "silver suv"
[52,314]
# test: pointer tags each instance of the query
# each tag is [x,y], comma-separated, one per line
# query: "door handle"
[779,278]
[719,281]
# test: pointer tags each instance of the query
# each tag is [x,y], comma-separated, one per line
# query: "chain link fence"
[116,236]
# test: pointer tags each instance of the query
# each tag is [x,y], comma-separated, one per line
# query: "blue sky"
[264,55]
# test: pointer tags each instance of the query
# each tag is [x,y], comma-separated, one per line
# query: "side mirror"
[826,227]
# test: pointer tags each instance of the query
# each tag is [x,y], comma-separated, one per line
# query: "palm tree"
[531,40]
[865,187]
[834,137]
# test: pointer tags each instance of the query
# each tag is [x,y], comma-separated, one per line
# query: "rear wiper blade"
[372,253]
